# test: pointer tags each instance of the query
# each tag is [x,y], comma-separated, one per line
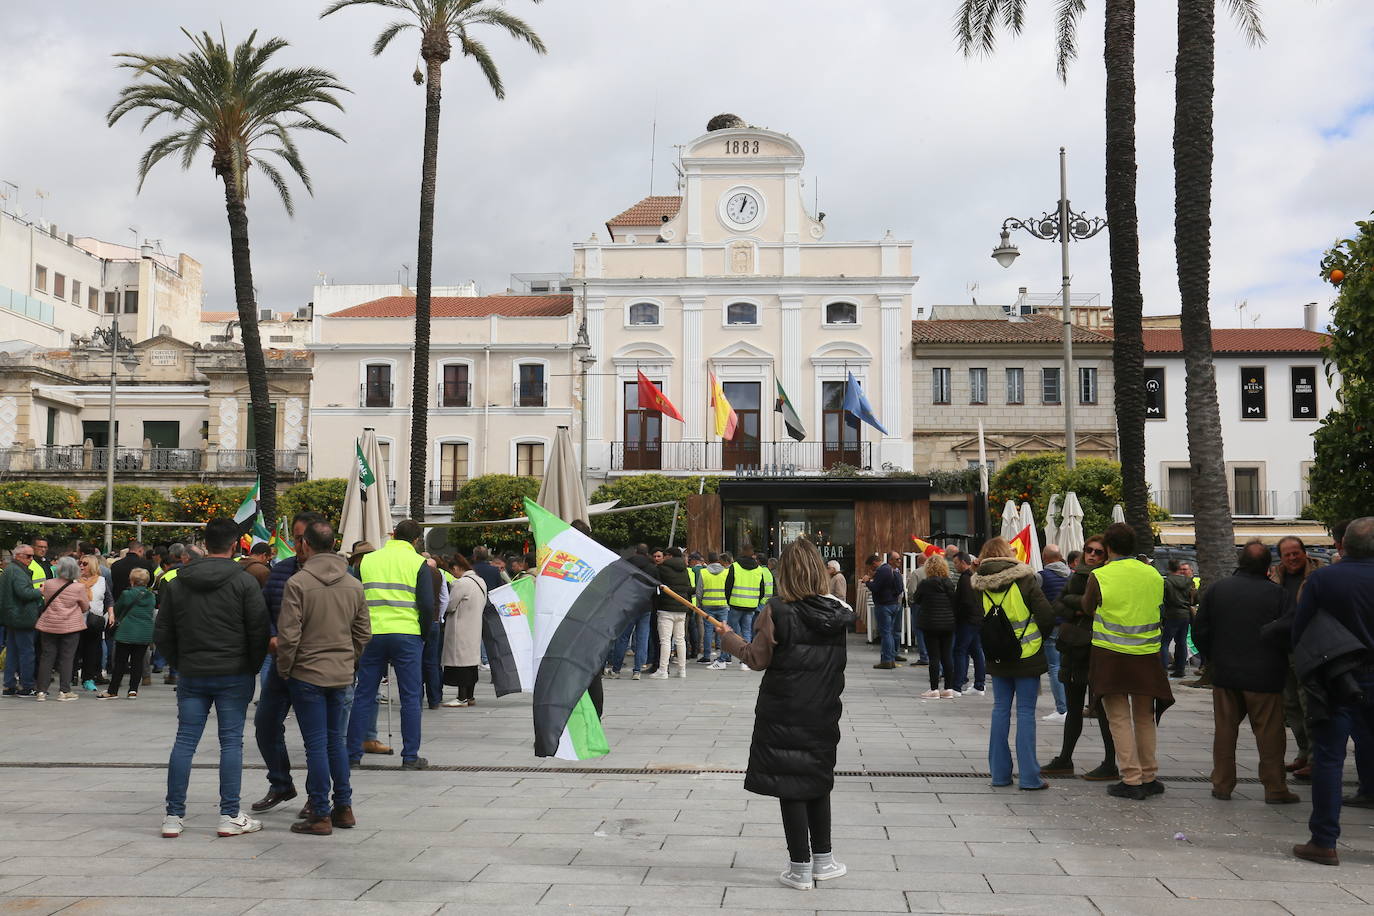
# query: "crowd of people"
[1287,644]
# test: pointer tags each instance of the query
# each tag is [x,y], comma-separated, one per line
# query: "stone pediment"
[741,351]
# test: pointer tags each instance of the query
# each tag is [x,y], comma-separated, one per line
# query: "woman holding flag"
[799,645]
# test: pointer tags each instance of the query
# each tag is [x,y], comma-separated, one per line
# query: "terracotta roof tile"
[648,212]
[1240,340]
[1036,329]
[463,307]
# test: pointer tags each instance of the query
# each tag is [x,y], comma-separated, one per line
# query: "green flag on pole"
[365,476]
[249,507]
[790,420]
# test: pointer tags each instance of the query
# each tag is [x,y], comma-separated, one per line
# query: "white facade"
[1267,457]
[55,287]
[735,278]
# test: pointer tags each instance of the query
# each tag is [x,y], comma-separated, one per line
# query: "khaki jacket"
[323,625]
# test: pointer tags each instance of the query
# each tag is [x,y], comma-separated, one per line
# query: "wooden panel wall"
[705,523]
[883,525]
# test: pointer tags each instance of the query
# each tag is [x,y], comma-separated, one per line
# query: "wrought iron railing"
[772,458]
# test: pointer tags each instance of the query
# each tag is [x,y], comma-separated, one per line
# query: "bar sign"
[1304,392]
[1252,405]
[1154,393]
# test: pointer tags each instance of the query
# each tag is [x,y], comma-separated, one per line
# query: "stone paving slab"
[484,839]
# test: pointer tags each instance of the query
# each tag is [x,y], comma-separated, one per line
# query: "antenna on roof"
[1240,312]
[653,145]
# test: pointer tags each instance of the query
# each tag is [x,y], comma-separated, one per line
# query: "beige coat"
[323,625]
[467,596]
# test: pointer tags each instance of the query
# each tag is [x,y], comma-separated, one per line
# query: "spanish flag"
[1021,544]
[727,421]
[925,548]
[651,398]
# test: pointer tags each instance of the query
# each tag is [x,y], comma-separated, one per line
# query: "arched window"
[841,313]
[741,313]
[644,313]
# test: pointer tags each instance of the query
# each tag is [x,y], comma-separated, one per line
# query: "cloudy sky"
[901,133]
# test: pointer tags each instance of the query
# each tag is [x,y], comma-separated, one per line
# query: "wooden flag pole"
[681,600]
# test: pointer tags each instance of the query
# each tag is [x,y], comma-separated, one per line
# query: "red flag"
[650,398]
[1021,544]
[927,549]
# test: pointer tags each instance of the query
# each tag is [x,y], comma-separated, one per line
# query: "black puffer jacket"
[936,598]
[213,620]
[797,716]
[1073,659]
[672,573]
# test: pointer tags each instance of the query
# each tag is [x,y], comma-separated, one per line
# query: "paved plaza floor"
[661,825]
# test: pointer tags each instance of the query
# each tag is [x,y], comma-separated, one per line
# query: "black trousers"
[127,657]
[806,824]
[464,677]
[1076,695]
[940,649]
[88,653]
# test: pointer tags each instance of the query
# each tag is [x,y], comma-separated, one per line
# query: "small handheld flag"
[727,421]
[857,408]
[243,516]
[281,540]
[1021,544]
[926,549]
[790,421]
[651,398]
[365,476]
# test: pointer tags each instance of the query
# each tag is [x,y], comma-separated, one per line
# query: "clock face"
[742,208]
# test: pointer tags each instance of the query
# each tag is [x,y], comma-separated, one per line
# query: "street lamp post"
[111,442]
[1063,224]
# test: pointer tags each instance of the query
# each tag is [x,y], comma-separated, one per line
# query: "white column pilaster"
[894,339]
[789,371]
[694,395]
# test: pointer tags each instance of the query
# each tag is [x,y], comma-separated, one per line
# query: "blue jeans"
[742,622]
[640,629]
[19,661]
[322,713]
[1024,690]
[269,727]
[1061,703]
[433,671]
[885,619]
[230,695]
[1328,740]
[1175,637]
[918,639]
[710,639]
[968,643]
[402,651]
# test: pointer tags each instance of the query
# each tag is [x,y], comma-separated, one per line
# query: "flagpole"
[675,596]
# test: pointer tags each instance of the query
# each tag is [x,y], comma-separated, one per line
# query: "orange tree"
[324,495]
[487,498]
[45,499]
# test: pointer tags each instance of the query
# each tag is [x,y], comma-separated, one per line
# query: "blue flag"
[856,407]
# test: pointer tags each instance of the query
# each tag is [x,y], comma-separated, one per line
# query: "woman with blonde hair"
[800,646]
[935,596]
[90,646]
[1005,582]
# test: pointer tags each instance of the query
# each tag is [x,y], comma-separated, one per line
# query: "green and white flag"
[790,420]
[508,631]
[249,507]
[365,476]
[584,597]
[260,533]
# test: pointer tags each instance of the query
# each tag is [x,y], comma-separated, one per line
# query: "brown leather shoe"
[313,826]
[342,817]
[1297,764]
[304,813]
[271,800]
[1221,796]
[375,747]
[1287,798]
[1319,854]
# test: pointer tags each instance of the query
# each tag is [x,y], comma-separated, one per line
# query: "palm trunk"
[1194,71]
[1128,348]
[424,259]
[254,362]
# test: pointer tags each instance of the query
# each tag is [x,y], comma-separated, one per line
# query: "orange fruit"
[1337,276]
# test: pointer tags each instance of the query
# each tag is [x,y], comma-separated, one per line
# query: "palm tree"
[977,23]
[231,104]
[1194,75]
[441,24]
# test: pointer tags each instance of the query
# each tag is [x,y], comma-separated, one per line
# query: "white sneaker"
[1055,717]
[824,867]
[40,696]
[744,667]
[931,695]
[634,676]
[455,702]
[682,672]
[65,696]
[716,665]
[233,826]
[798,876]
[659,675]
[948,694]
[973,692]
[171,826]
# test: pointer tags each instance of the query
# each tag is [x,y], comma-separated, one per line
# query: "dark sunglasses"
[1094,550]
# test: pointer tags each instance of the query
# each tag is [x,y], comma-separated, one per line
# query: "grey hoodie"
[714,569]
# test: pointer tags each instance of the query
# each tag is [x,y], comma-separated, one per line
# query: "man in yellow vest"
[744,584]
[711,599]
[1125,595]
[399,589]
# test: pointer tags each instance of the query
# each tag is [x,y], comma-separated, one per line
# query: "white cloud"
[901,134]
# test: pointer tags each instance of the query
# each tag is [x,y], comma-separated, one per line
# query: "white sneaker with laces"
[931,695]
[1055,717]
[974,692]
[455,702]
[660,675]
[40,696]
[948,694]
[824,867]
[744,667]
[797,876]
[240,824]
[171,826]
[65,696]
[718,665]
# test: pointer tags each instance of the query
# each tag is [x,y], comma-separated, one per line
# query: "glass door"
[643,433]
[746,448]
[840,441]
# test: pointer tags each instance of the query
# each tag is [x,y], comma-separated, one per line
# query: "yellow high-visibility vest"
[768,587]
[389,577]
[746,591]
[37,574]
[1014,605]
[712,587]
[1128,619]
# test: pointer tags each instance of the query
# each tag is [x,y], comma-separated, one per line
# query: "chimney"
[145,250]
[1309,316]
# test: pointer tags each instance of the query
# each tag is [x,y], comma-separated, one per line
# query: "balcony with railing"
[774,458]
[455,394]
[77,460]
[444,491]
[1244,503]
[530,394]
[376,394]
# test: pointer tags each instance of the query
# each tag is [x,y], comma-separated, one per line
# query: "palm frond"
[477,51]
[976,23]
[1247,16]
[337,5]
[389,33]
[518,28]
[1066,19]
[278,180]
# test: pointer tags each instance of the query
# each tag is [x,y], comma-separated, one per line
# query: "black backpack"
[1001,642]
